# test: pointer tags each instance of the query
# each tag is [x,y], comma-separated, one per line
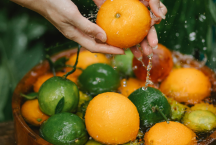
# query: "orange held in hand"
[112,118]
[126,22]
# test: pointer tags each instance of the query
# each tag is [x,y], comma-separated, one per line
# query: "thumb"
[89,28]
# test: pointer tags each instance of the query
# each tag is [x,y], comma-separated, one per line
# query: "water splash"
[149,66]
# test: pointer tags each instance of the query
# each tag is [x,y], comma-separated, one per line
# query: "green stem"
[159,110]
[51,64]
[74,67]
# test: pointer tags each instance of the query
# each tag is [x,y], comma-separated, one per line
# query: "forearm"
[38,6]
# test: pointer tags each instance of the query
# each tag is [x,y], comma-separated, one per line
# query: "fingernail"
[155,47]
[162,16]
[101,37]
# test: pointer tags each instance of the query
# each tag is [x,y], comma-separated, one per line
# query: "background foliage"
[25,35]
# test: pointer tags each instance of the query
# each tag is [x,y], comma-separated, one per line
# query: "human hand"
[65,16]
[158,12]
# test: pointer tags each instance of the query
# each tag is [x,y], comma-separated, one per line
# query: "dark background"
[189,27]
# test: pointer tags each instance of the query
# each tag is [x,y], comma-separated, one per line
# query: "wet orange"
[126,22]
[187,85]
[86,58]
[162,64]
[45,77]
[173,133]
[112,118]
[32,114]
[127,86]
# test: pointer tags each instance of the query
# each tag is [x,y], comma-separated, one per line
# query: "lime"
[64,129]
[150,102]
[123,63]
[55,89]
[200,120]
[98,78]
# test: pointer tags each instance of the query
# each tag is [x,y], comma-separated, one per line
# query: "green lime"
[177,109]
[200,120]
[123,63]
[151,105]
[64,129]
[93,142]
[55,90]
[98,78]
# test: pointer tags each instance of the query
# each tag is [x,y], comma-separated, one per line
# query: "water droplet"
[203,40]
[192,36]
[177,34]
[185,21]
[202,17]
[204,48]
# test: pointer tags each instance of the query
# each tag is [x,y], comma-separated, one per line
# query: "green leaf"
[212,9]
[60,63]
[30,96]
[60,105]
[4,89]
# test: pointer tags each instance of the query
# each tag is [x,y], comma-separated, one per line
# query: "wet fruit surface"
[146,101]
[112,118]
[53,90]
[63,129]
[98,78]
[186,85]
[162,64]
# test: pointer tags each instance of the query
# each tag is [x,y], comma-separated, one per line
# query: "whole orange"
[112,118]
[126,22]
[32,114]
[173,133]
[85,59]
[187,85]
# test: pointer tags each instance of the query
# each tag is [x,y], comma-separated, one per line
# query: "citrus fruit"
[186,85]
[162,64]
[85,59]
[173,133]
[126,23]
[63,129]
[127,86]
[200,120]
[123,63]
[178,109]
[32,114]
[204,106]
[149,103]
[98,78]
[93,142]
[112,118]
[53,90]
[41,80]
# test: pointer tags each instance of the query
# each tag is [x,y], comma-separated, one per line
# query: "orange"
[45,77]
[85,59]
[41,80]
[186,85]
[126,22]
[173,133]
[127,86]
[112,118]
[32,114]
[70,77]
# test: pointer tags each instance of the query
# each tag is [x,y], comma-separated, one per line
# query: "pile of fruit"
[103,101]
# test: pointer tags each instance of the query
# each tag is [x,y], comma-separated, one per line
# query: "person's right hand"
[65,16]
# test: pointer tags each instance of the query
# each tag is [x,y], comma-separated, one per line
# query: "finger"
[158,8]
[145,47]
[152,37]
[146,3]
[154,19]
[89,28]
[90,44]
[136,52]
[99,2]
